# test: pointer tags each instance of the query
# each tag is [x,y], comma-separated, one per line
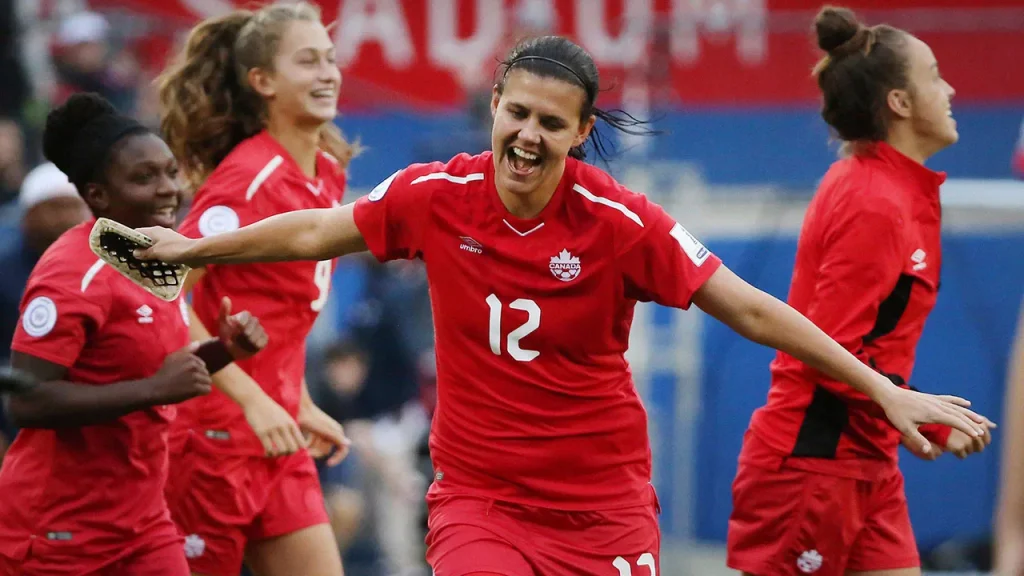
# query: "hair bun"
[65,123]
[836,28]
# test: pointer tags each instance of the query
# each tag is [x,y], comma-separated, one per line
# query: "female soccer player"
[83,483]
[1009,545]
[818,488]
[535,262]
[249,110]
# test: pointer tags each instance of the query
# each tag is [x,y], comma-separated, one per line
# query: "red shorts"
[790,522]
[163,559]
[470,534]
[220,502]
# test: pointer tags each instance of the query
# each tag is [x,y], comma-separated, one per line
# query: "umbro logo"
[918,259]
[145,314]
[470,245]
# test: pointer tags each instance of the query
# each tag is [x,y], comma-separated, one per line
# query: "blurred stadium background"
[728,82]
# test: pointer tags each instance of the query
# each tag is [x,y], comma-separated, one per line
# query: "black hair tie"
[518,59]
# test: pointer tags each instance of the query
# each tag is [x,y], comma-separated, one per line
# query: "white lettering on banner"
[464,56]
[209,8]
[694,19]
[380,21]
[629,48]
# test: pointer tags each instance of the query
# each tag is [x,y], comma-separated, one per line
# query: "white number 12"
[645,559]
[531,324]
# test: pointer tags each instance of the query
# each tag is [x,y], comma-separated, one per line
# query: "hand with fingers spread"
[325,435]
[907,409]
[242,334]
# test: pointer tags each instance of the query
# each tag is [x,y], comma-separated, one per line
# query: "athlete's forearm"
[60,404]
[764,319]
[315,234]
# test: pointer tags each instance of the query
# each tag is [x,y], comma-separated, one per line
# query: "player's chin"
[163,220]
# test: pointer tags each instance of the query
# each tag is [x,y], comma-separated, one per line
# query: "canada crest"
[565,266]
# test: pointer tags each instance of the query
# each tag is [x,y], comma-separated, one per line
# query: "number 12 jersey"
[536,403]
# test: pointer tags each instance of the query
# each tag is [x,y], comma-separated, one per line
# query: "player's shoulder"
[461,169]
[255,162]
[457,174]
[599,194]
[69,264]
[856,185]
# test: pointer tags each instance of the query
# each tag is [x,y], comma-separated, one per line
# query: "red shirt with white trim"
[259,179]
[536,403]
[88,492]
[867,273]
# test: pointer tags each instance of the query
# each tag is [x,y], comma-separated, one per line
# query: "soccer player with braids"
[536,260]
[102,365]
[248,108]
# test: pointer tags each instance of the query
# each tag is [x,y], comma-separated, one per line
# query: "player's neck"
[301,143]
[527,206]
[910,145]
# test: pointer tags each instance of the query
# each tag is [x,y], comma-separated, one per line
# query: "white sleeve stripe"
[609,203]
[446,176]
[93,271]
[262,176]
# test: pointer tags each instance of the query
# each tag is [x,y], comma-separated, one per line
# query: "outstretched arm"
[315,234]
[764,319]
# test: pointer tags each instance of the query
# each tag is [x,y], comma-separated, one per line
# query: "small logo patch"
[218,220]
[809,562]
[195,546]
[470,245]
[565,266]
[40,317]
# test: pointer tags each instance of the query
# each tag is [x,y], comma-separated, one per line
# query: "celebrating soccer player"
[536,261]
[83,483]
[818,486]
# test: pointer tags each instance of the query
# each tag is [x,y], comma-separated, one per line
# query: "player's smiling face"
[536,122]
[304,83]
[141,186]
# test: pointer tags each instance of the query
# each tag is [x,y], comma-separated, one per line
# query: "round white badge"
[218,220]
[40,317]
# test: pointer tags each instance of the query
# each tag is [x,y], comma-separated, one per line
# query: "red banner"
[427,53]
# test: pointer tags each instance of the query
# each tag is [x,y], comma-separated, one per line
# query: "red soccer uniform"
[536,405]
[228,492]
[76,500]
[866,273]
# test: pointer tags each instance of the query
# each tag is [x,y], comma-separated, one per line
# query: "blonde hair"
[208,107]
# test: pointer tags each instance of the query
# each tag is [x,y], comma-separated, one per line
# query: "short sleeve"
[662,262]
[221,205]
[56,322]
[393,218]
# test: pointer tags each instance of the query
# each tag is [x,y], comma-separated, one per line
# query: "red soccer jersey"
[90,490]
[536,404]
[259,179]
[867,273]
